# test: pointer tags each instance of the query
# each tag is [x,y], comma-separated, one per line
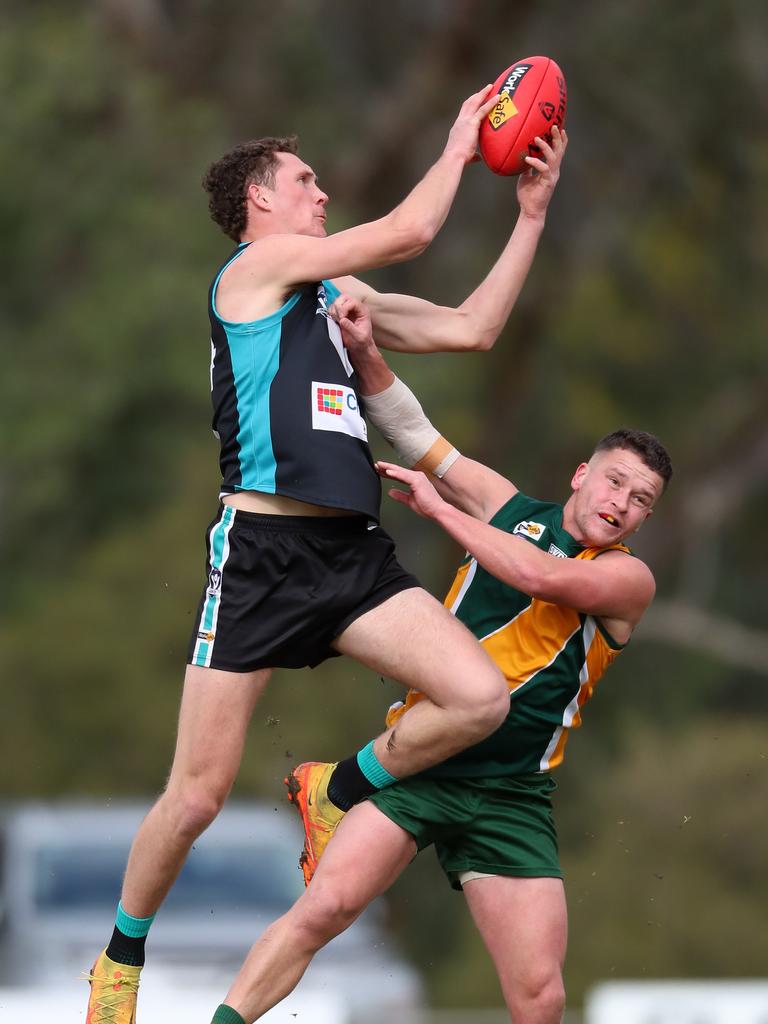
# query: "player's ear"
[258,195]
[648,515]
[578,477]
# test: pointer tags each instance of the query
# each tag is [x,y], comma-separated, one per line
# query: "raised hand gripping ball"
[533,99]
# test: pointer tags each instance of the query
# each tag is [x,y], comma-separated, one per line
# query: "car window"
[215,877]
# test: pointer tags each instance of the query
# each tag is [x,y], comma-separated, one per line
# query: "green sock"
[226,1015]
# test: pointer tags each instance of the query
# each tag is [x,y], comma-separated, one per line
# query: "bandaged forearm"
[398,416]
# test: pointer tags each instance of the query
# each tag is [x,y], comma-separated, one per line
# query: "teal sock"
[135,927]
[372,768]
[226,1015]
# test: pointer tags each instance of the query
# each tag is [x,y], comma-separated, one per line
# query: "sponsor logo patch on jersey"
[322,301]
[334,407]
[330,400]
[530,529]
[555,550]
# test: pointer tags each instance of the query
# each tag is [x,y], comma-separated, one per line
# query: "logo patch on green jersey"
[534,531]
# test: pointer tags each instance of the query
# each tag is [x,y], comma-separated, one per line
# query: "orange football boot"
[308,792]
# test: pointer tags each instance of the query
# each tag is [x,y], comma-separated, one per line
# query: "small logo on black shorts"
[207,635]
[214,580]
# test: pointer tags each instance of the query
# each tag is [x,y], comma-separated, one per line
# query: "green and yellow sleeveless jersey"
[551,656]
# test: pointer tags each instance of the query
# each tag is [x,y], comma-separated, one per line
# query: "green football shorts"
[494,826]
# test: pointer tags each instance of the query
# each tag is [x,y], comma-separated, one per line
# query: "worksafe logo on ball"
[334,407]
[505,108]
[530,529]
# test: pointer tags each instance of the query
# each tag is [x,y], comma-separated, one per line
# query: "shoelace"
[110,1002]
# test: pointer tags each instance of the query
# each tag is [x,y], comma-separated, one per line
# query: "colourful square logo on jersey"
[330,400]
[334,408]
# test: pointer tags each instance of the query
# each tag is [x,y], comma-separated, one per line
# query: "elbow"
[540,579]
[526,578]
[482,341]
[419,237]
[461,333]
[410,238]
[475,340]
[532,583]
[474,334]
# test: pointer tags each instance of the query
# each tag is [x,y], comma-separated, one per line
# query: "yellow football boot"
[308,791]
[114,990]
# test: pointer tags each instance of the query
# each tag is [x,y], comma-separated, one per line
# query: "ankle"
[226,1015]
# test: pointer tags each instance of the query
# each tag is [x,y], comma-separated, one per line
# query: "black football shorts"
[280,589]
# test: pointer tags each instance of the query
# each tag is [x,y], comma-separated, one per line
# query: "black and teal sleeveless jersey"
[285,404]
[551,656]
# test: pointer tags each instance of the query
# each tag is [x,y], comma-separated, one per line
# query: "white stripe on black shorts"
[280,589]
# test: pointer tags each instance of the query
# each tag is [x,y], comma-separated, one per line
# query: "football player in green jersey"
[552,593]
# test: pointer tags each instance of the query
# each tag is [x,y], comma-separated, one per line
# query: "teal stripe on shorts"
[219,548]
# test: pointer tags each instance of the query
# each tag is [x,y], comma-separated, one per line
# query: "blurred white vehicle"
[61,868]
[679,1001]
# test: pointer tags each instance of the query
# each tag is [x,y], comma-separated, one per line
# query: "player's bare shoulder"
[253,285]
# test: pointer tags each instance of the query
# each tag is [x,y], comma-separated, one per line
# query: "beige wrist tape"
[398,416]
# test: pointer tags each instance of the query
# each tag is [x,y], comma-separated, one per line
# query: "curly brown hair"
[227,179]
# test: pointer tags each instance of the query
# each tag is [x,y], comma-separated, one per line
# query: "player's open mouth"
[611,520]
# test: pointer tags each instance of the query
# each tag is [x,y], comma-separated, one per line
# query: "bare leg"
[367,854]
[216,708]
[523,922]
[415,640]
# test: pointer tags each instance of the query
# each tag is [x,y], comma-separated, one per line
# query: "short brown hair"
[647,446]
[226,181]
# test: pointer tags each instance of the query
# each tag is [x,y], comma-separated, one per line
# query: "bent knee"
[540,1000]
[326,912]
[489,707]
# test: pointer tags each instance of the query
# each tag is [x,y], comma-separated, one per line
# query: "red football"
[533,99]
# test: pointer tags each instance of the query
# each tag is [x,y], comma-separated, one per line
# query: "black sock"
[347,785]
[125,949]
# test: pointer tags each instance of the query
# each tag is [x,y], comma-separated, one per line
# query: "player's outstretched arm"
[397,414]
[615,586]
[400,235]
[408,324]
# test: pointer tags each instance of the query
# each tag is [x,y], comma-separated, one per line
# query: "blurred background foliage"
[646,307]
